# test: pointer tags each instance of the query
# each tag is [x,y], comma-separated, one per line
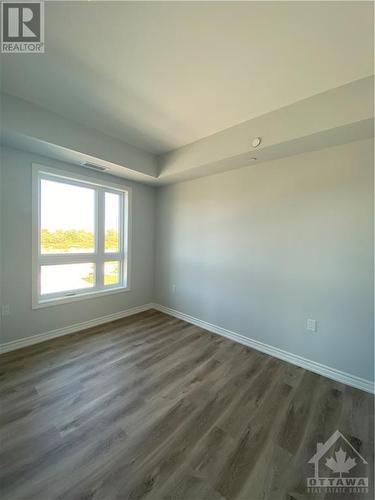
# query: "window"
[80,237]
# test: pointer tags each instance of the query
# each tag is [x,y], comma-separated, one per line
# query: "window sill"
[38,304]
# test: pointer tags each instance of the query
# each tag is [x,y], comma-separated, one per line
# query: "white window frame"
[99,256]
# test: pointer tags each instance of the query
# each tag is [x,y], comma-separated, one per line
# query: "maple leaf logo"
[341,464]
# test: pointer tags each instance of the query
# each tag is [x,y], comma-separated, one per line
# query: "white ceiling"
[163,74]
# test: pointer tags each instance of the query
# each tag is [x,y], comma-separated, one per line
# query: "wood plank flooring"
[151,407]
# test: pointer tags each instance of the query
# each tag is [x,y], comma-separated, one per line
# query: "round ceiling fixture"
[256,142]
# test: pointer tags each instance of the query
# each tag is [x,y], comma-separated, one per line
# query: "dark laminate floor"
[152,407]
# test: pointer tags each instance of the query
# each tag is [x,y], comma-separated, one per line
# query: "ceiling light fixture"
[256,142]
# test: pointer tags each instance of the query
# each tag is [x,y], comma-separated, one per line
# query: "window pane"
[112,272]
[112,222]
[67,218]
[64,277]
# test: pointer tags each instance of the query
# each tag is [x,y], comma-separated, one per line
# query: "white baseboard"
[59,332]
[326,371]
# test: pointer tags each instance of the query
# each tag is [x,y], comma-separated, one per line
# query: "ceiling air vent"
[93,166]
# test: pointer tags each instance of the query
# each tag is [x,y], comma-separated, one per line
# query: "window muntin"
[82,237]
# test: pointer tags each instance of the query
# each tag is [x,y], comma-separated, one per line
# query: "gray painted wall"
[284,132]
[260,249]
[256,250]
[16,253]
[22,119]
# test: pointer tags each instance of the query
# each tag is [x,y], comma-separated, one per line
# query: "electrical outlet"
[311,325]
[173,288]
[5,310]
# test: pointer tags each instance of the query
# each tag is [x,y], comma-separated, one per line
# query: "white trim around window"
[98,256]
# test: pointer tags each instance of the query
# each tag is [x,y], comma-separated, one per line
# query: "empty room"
[187,250]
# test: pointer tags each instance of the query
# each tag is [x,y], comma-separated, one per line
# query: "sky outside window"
[112,222]
[67,218]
